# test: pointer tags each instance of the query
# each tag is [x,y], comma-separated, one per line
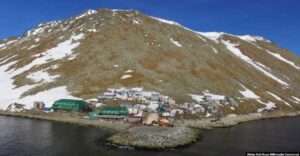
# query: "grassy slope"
[158,64]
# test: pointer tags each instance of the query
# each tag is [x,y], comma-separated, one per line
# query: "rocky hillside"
[82,56]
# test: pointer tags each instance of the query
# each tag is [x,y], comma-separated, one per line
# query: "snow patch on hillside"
[42,76]
[136,21]
[247,93]
[214,96]
[129,71]
[11,42]
[87,13]
[278,98]
[205,95]
[49,97]
[62,50]
[8,91]
[196,97]
[297,100]
[42,27]
[175,42]
[2,45]
[276,55]
[250,38]
[202,38]
[127,76]
[11,94]
[165,21]
[92,30]
[212,35]
[279,57]
[263,66]
[268,106]
[236,51]
[215,50]
[33,46]
[7,43]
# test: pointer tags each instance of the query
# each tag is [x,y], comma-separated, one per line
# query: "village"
[136,106]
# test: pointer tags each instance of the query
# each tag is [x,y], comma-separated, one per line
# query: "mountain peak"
[84,55]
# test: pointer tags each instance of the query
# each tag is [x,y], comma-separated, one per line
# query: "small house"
[133,110]
[69,105]
[15,107]
[92,101]
[38,105]
[166,114]
[153,106]
[151,119]
[164,122]
[155,96]
[175,112]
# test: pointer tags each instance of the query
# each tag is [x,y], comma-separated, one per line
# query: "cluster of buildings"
[135,94]
[17,107]
[139,105]
[210,104]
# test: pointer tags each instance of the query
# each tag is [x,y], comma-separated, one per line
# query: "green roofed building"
[69,105]
[110,112]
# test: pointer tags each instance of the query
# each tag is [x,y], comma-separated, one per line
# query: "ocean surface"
[25,137]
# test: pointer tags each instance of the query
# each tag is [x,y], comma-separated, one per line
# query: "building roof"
[110,110]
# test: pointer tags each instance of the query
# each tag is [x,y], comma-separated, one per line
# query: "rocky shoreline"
[155,137]
[183,133]
[69,118]
[232,120]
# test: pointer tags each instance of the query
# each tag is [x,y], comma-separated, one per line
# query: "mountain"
[84,55]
